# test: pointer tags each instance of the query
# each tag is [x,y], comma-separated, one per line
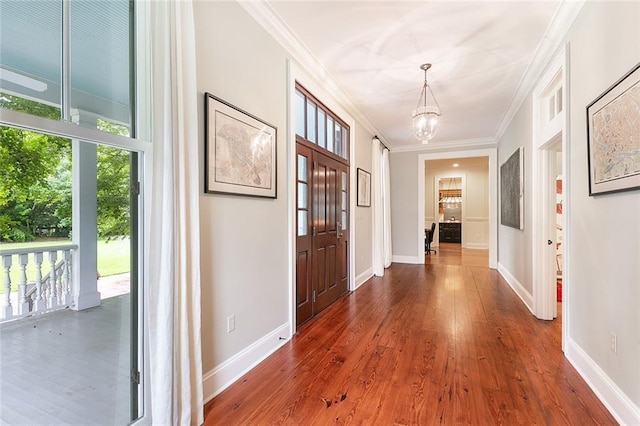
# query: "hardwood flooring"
[443,343]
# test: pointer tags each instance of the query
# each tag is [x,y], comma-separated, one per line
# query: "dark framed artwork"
[364,188]
[240,151]
[511,190]
[613,136]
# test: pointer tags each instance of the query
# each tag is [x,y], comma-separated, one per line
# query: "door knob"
[549,242]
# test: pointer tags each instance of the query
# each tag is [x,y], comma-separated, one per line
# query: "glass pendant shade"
[425,123]
[425,116]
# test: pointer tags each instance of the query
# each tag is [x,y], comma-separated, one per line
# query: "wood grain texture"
[443,343]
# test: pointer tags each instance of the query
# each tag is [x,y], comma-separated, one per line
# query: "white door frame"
[547,137]
[492,154]
[463,213]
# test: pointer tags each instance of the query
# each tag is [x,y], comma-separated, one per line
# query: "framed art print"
[240,151]
[613,136]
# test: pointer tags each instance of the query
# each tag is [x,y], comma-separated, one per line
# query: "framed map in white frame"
[240,151]
[613,134]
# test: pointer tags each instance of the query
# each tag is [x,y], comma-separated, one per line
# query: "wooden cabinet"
[450,232]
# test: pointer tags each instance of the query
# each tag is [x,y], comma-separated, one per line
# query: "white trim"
[493,196]
[477,246]
[413,260]
[363,278]
[225,374]
[562,20]
[266,17]
[518,288]
[291,191]
[618,404]
[477,219]
[545,140]
[445,146]
[70,130]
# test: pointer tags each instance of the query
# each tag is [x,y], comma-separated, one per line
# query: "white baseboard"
[363,277]
[482,246]
[414,260]
[618,404]
[518,288]
[222,376]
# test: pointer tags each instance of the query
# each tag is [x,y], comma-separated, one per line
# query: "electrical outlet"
[614,344]
[231,323]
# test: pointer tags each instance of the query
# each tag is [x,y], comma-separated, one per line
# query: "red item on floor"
[559,290]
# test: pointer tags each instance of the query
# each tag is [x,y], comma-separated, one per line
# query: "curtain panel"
[173,261]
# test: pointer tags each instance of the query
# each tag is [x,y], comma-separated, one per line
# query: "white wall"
[408,192]
[244,254]
[475,229]
[514,245]
[603,232]
[245,259]
[363,215]
[404,204]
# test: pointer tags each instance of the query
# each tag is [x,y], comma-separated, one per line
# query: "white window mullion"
[64,86]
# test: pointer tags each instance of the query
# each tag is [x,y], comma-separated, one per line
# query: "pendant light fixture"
[452,198]
[425,116]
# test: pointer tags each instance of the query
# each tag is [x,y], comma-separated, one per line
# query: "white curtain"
[378,208]
[386,209]
[381,205]
[173,261]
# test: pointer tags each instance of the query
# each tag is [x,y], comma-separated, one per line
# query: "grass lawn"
[113,258]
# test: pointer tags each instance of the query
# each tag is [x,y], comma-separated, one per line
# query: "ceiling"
[480,51]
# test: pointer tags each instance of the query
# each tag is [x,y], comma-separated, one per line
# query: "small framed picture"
[364,188]
[240,151]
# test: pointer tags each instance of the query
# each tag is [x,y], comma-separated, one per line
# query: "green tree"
[35,180]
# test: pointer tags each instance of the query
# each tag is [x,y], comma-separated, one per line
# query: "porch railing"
[38,293]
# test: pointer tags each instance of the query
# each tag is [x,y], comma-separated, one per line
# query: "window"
[316,124]
[81,76]
[67,86]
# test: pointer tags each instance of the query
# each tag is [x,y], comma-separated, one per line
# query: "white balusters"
[40,302]
[66,277]
[37,293]
[7,309]
[23,305]
[53,287]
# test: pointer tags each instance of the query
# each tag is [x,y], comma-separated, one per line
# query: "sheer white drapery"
[378,208]
[386,208]
[381,208]
[173,261]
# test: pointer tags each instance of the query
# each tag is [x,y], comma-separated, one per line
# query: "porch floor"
[67,367]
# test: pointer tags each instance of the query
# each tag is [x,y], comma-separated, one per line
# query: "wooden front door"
[323,234]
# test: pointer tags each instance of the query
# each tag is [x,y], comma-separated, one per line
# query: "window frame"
[138,143]
[340,153]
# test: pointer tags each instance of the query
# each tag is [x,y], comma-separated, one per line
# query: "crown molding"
[266,17]
[450,146]
[562,20]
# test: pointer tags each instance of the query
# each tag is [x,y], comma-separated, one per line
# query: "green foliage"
[35,180]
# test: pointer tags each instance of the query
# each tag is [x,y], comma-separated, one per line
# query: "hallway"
[443,343]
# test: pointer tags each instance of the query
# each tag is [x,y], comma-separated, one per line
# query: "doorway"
[486,222]
[450,209]
[550,226]
[550,209]
[322,243]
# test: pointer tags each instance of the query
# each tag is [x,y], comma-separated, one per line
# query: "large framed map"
[613,133]
[240,151]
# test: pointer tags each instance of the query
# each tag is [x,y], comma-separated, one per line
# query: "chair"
[428,239]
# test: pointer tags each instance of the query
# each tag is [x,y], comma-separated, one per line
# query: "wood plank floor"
[443,343]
